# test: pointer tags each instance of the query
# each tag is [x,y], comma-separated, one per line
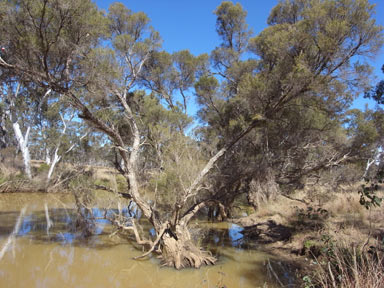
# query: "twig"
[355,269]
[331,274]
[370,230]
[274,274]
[295,199]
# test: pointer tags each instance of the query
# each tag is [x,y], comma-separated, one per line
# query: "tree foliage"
[272,105]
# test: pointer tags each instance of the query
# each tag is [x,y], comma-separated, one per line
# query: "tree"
[365,131]
[296,81]
[302,55]
[20,111]
[377,92]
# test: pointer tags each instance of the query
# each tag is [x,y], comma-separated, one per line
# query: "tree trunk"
[175,243]
[47,157]
[55,160]
[179,251]
[3,132]
[23,145]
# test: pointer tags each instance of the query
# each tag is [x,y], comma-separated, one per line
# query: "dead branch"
[295,199]
[165,225]
[133,228]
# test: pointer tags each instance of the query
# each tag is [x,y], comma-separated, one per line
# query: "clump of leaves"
[43,168]
[308,282]
[312,213]
[368,197]
[121,182]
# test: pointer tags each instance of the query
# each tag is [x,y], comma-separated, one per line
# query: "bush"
[121,182]
[43,168]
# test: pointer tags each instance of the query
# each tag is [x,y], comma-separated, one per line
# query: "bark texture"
[179,251]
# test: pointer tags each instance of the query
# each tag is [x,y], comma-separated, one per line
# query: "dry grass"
[348,267]
[346,222]
[344,212]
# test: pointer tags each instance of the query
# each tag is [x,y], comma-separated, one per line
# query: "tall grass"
[350,267]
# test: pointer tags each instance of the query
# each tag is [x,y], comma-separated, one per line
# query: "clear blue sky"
[191,24]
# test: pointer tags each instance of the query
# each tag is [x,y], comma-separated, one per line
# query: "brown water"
[60,257]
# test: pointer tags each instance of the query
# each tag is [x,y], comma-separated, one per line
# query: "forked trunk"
[179,251]
[22,140]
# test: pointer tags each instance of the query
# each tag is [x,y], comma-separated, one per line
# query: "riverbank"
[307,226]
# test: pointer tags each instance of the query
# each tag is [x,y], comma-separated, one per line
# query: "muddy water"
[61,257]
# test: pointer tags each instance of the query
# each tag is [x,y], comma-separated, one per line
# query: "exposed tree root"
[179,251]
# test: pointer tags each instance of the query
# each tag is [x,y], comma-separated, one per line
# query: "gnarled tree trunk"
[179,251]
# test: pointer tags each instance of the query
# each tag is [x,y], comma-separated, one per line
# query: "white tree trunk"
[56,157]
[47,157]
[55,160]
[375,159]
[23,145]
[21,140]
[369,164]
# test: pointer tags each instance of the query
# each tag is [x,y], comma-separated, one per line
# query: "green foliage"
[170,74]
[121,183]
[277,100]
[308,244]
[362,126]
[377,92]
[231,26]
[43,168]
[293,83]
[69,27]
[103,182]
[81,183]
[308,282]
[3,179]
[180,162]
[368,197]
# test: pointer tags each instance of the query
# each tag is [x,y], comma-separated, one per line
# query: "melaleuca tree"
[300,80]
[376,93]
[365,130]
[301,56]
[171,76]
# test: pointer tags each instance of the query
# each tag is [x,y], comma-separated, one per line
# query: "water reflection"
[64,258]
[234,232]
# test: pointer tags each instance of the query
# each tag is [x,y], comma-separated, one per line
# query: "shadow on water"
[219,238]
[239,256]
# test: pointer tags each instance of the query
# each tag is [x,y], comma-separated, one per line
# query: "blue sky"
[191,24]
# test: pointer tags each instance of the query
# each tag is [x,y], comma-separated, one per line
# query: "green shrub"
[121,183]
[103,182]
[43,168]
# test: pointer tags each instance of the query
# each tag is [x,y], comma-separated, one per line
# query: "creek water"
[61,257]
